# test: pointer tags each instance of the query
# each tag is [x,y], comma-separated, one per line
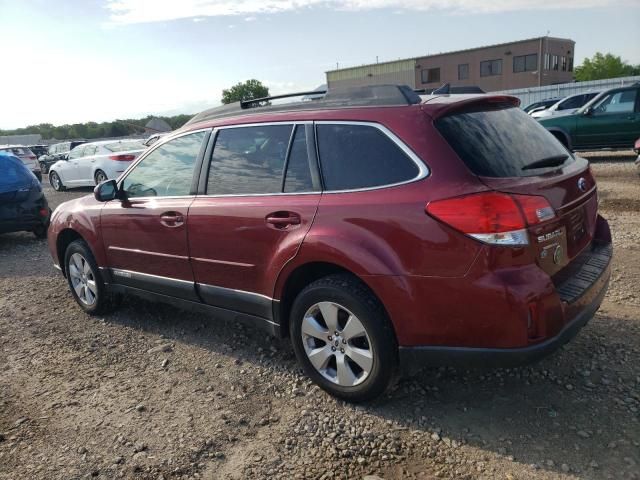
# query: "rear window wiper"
[552,161]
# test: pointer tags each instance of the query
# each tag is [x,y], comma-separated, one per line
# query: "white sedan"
[92,163]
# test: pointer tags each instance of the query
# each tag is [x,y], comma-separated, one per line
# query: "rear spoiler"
[439,109]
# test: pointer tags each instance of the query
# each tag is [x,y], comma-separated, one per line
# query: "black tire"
[55,182]
[43,168]
[104,300]
[354,298]
[100,177]
[40,231]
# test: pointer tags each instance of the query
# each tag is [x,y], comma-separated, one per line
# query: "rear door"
[145,233]
[612,122]
[512,153]
[261,196]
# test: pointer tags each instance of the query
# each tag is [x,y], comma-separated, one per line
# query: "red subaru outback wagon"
[378,229]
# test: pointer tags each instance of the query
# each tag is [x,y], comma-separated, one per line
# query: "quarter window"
[361,156]
[249,160]
[167,171]
[490,68]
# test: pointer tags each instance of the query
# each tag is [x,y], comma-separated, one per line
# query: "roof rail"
[250,102]
[351,97]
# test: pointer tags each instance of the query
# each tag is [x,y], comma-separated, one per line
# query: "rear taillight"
[493,217]
[32,157]
[122,158]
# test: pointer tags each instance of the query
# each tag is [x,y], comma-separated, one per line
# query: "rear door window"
[502,142]
[354,156]
[249,160]
[617,102]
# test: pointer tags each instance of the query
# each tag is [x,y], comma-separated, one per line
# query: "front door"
[261,198]
[612,122]
[145,232]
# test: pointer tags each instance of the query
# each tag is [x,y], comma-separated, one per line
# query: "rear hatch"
[512,153]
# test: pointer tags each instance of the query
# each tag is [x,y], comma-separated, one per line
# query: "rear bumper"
[412,358]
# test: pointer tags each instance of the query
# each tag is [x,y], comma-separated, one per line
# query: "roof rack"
[350,97]
[253,101]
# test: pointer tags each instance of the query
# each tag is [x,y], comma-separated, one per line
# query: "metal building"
[521,64]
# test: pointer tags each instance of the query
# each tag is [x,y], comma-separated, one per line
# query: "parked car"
[636,148]
[610,120]
[57,151]
[26,156]
[39,150]
[23,206]
[378,230]
[541,105]
[92,163]
[565,106]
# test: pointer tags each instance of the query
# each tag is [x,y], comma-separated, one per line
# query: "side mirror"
[588,112]
[106,191]
[65,156]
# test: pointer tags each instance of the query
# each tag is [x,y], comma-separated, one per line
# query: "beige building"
[521,64]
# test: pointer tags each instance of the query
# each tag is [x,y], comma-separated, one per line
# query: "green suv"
[610,120]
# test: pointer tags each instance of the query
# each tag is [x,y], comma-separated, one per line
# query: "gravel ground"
[152,392]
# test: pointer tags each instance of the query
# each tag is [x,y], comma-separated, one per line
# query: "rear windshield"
[502,142]
[18,151]
[124,146]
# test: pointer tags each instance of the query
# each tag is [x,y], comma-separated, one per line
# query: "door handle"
[282,220]
[172,219]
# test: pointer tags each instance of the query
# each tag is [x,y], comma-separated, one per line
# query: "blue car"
[23,206]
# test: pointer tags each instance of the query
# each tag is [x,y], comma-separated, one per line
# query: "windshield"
[502,142]
[124,146]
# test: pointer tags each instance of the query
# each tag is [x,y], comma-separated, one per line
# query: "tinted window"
[361,156]
[500,142]
[572,102]
[298,176]
[249,160]
[618,102]
[166,171]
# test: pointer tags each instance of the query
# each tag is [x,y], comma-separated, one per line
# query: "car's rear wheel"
[343,338]
[100,177]
[85,280]
[55,182]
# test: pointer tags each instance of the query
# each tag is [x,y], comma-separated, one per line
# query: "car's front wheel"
[85,281]
[56,183]
[343,338]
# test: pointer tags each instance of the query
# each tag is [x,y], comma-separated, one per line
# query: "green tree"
[602,66]
[245,91]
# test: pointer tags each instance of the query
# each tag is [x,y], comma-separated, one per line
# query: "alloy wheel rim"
[337,344]
[83,280]
[55,180]
[101,177]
